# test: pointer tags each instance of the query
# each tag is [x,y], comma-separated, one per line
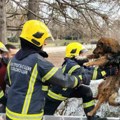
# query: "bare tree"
[87,15]
[2,21]
[33,5]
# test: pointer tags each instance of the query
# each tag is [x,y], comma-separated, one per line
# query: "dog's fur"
[107,91]
[105,48]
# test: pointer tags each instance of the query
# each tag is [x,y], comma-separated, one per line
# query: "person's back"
[27,73]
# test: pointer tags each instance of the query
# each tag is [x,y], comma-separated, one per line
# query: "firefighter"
[3,98]
[73,65]
[12,50]
[6,51]
[3,50]
[6,55]
[28,72]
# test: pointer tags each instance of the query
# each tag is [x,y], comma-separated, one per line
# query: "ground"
[56,58]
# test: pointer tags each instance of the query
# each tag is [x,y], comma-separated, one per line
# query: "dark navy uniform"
[26,76]
[57,94]
[3,98]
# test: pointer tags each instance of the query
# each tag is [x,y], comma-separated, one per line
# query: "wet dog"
[107,52]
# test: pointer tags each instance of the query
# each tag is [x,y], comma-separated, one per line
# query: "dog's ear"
[100,44]
[115,47]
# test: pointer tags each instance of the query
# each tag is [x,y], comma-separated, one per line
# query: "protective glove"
[111,70]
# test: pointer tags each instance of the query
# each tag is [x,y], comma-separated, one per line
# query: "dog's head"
[106,46]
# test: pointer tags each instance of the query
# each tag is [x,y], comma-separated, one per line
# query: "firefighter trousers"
[82,91]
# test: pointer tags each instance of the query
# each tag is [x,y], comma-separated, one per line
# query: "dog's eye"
[100,44]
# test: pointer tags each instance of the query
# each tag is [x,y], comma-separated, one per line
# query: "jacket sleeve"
[89,73]
[97,73]
[64,80]
[54,75]
[94,73]
[3,98]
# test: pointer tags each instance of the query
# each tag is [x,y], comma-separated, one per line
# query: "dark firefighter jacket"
[3,98]
[26,95]
[3,68]
[72,67]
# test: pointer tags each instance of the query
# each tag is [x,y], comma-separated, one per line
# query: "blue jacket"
[70,66]
[27,78]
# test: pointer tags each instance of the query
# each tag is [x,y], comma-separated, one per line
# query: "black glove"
[111,71]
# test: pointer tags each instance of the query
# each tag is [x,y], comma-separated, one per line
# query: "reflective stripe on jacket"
[73,68]
[3,98]
[26,96]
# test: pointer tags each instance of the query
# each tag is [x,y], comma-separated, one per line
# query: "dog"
[107,52]
[105,48]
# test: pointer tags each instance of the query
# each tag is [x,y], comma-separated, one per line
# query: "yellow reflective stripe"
[1,94]
[49,74]
[44,88]
[56,96]
[73,69]
[17,116]
[8,71]
[64,89]
[95,72]
[76,82]
[103,73]
[88,104]
[30,90]
[80,76]
[63,69]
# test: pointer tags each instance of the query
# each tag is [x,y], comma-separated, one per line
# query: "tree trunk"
[33,5]
[3,31]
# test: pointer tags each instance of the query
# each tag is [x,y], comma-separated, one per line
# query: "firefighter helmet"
[35,32]
[3,48]
[74,49]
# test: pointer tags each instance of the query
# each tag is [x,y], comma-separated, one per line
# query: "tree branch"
[26,9]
